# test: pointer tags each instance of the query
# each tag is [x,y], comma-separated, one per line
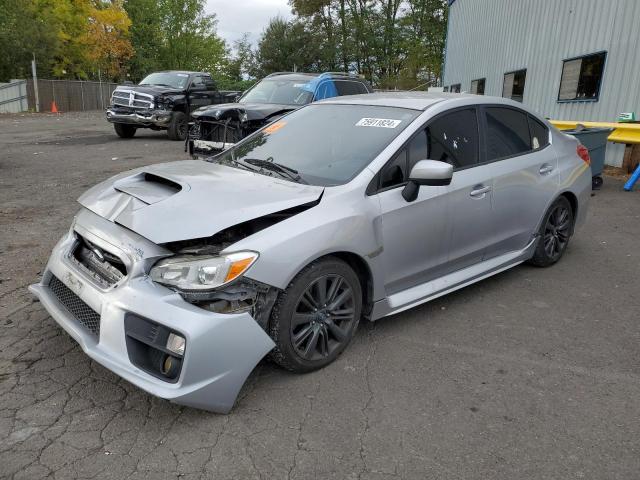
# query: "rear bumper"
[221,350]
[143,118]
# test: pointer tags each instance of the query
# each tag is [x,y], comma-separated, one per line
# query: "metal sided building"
[567,59]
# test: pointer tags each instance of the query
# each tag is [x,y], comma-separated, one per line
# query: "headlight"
[202,273]
[164,104]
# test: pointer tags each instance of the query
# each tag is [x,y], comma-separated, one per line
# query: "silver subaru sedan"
[180,277]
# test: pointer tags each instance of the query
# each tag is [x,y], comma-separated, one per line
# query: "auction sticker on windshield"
[378,122]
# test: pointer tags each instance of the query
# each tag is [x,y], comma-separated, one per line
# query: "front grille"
[104,267]
[224,132]
[82,312]
[129,98]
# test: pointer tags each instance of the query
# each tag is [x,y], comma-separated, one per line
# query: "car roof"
[187,72]
[306,76]
[420,100]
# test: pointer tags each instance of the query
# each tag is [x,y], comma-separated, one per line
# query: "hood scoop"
[148,187]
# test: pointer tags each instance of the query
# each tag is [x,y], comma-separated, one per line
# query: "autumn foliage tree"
[107,38]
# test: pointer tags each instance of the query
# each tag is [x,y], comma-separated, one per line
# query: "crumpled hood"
[254,111]
[155,90]
[191,199]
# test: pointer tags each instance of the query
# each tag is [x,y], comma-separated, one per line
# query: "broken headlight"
[164,104]
[202,272]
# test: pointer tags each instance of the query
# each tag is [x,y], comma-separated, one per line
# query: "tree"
[289,45]
[25,33]
[190,41]
[107,38]
[146,36]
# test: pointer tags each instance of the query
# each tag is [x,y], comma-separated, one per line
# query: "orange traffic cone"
[54,107]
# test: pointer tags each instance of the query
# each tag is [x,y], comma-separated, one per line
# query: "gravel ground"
[533,373]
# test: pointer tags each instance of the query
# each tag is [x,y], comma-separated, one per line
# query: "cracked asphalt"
[533,373]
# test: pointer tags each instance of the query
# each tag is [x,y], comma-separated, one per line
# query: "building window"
[581,77]
[445,89]
[455,88]
[477,86]
[513,86]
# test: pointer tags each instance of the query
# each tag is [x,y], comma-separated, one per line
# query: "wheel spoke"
[311,345]
[301,336]
[333,290]
[302,318]
[324,341]
[338,333]
[308,300]
[341,299]
[321,290]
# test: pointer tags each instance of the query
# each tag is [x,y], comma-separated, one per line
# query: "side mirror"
[427,172]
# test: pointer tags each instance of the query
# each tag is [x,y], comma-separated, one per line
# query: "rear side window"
[349,87]
[507,132]
[539,134]
[453,138]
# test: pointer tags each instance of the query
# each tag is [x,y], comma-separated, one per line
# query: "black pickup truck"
[163,101]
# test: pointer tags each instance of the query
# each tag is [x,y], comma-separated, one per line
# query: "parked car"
[163,101]
[221,126]
[180,277]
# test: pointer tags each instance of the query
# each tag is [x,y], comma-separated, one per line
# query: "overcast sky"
[238,16]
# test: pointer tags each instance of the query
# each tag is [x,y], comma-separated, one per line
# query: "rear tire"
[124,131]
[178,127]
[316,316]
[554,234]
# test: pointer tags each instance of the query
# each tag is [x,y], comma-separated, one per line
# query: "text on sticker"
[378,122]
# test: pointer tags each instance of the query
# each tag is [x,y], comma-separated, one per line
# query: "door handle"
[545,168]
[479,191]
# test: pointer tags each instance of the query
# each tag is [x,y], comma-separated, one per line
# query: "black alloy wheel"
[554,234]
[323,318]
[316,316]
[557,231]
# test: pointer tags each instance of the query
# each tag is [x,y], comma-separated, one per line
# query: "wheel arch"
[361,268]
[573,201]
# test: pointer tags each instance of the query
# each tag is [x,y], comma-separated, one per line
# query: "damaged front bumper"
[124,326]
[142,118]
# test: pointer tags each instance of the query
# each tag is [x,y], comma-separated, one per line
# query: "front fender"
[348,222]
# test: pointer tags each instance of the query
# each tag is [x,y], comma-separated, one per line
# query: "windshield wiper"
[269,164]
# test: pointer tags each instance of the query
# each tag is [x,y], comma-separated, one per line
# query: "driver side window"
[450,138]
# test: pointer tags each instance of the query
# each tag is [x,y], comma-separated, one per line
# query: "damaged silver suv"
[180,277]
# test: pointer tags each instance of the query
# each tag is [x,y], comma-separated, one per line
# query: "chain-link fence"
[70,95]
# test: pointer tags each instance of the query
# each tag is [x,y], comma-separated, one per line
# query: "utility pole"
[35,82]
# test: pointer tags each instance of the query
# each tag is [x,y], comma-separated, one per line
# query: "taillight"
[583,153]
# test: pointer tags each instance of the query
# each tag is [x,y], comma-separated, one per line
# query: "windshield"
[323,144]
[285,92]
[173,80]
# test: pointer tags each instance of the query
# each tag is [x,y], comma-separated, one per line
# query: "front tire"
[316,316]
[124,131]
[554,234]
[178,127]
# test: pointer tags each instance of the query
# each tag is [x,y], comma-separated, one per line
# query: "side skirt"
[414,296]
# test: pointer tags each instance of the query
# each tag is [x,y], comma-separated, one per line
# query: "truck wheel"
[178,126]
[124,131]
